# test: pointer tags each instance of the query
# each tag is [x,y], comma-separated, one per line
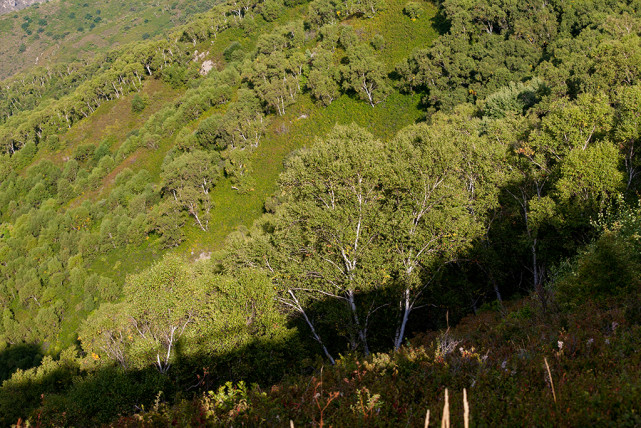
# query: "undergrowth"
[498,357]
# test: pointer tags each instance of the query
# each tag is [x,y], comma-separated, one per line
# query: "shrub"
[84,152]
[608,268]
[413,10]
[292,3]
[378,42]
[228,53]
[515,98]
[271,10]
[138,103]
[175,76]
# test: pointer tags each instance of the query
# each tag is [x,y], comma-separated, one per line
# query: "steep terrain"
[7,6]
[265,189]
[77,30]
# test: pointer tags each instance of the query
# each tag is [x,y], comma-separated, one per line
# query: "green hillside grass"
[305,121]
[401,34]
[113,120]
[501,164]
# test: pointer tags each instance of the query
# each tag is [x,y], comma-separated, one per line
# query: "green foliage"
[77,405]
[138,103]
[608,268]
[175,76]
[369,236]
[378,42]
[514,99]
[413,9]
[323,12]
[228,53]
[489,45]
[323,79]
[271,10]
[25,389]
[346,195]
[174,311]
[167,221]
[19,357]
[188,179]
[84,153]
[365,75]
[590,176]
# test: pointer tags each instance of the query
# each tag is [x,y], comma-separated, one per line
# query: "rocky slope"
[7,6]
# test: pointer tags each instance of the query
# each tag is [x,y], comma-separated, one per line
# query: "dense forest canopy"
[274,186]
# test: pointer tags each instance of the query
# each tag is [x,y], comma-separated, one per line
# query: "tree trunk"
[311,327]
[400,332]
[195,214]
[361,333]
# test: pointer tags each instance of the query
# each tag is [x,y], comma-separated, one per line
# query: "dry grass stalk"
[550,376]
[466,410]
[445,422]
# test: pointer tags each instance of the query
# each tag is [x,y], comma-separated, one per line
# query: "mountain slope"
[55,32]
[7,6]
[273,184]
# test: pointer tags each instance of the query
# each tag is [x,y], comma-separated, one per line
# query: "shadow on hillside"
[66,393]
[381,309]
[440,22]
[22,356]
[63,393]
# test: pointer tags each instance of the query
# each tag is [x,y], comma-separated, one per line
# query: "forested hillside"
[307,197]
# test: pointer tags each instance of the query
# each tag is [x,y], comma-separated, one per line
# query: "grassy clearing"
[117,121]
[402,35]
[113,119]
[293,131]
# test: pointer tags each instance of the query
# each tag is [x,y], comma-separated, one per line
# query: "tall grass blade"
[550,376]
[445,422]
[466,410]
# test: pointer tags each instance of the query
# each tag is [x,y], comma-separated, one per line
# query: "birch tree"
[440,186]
[552,191]
[323,77]
[163,303]
[365,75]
[188,179]
[328,230]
